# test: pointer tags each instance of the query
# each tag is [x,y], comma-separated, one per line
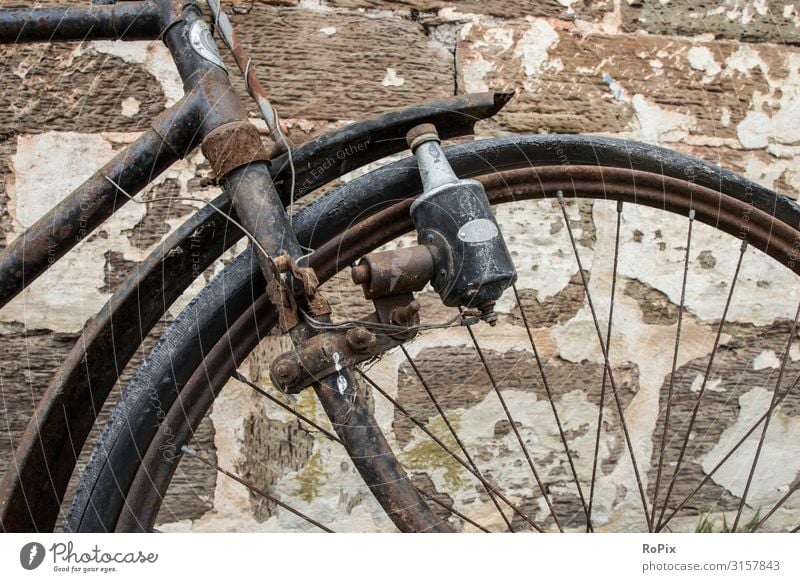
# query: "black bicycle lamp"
[472,264]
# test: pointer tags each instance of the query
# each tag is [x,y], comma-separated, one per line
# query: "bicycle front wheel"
[642,376]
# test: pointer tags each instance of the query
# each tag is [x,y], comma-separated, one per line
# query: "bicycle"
[444,195]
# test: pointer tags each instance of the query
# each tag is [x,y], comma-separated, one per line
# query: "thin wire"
[195,455]
[268,113]
[390,328]
[315,324]
[227,216]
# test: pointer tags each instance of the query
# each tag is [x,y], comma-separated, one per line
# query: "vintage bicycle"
[435,307]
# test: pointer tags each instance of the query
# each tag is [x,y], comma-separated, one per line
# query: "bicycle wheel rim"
[732,216]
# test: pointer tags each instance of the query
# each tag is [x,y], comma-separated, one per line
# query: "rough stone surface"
[720,81]
[775,21]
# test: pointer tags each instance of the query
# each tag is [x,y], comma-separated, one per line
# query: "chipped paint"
[535,45]
[392,79]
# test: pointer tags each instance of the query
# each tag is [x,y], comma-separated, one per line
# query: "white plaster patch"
[712,386]
[535,45]
[701,59]
[772,117]
[766,359]
[392,79]
[660,125]
[744,59]
[328,30]
[707,288]
[758,129]
[725,117]
[45,169]
[539,244]
[130,107]
[155,58]
[568,5]
[777,466]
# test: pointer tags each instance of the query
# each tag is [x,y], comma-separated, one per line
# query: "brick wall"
[715,79]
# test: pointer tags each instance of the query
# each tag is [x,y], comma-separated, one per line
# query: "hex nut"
[421,134]
[286,373]
[360,339]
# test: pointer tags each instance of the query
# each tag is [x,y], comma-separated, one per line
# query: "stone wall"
[719,80]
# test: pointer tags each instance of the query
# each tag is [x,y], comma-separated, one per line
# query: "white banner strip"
[330,558]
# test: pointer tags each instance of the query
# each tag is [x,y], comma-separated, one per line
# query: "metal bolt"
[361,274]
[286,373]
[360,339]
[488,314]
[421,134]
[406,316]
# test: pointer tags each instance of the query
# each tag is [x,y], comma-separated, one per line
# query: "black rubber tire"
[157,382]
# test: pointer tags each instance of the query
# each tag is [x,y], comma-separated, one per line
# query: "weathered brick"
[749,20]
[665,89]
[69,87]
[588,9]
[331,66]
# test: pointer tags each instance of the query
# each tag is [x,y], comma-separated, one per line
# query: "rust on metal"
[329,353]
[281,296]
[394,272]
[420,134]
[233,145]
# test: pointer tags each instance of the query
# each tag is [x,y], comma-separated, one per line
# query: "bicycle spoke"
[514,428]
[777,506]
[671,390]
[332,437]
[286,407]
[785,359]
[419,424]
[546,385]
[729,454]
[605,376]
[452,510]
[606,362]
[702,390]
[452,430]
[195,455]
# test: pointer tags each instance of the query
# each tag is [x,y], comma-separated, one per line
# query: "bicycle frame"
[255,189]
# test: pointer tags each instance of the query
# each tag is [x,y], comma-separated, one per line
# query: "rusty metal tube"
[128,20]
[88,206]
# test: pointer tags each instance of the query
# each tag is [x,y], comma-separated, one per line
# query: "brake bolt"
[287,373]
[406,316]
[360,339]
